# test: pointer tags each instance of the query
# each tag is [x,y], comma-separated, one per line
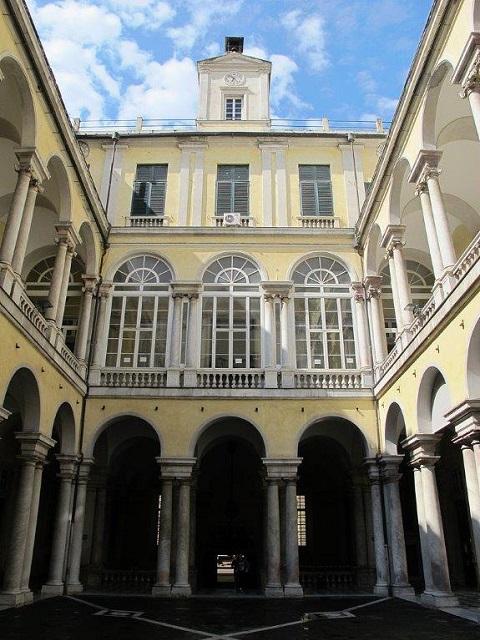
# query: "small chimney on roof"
[233,44]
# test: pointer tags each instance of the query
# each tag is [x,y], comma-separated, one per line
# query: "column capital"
[66,234]
[105,290]
[468,64]
[389,465]
[277,289]
[422,447]
[281,468]
[176,468]
[427,161]
[465,418]
[393,236]
[471,82]
[373,470]
[84,467]
[358,291]
[34,446]
[89,283]
[420,188]
[67,465]
[30,161]
[186,289]
[373,286]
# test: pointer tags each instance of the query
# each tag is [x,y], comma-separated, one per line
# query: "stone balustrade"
[318,222]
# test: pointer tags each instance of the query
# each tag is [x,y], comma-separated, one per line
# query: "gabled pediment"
[233,61]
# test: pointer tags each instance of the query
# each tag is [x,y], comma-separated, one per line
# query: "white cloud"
[202,13]
[367,84]
[309,34]
[149,14]
[383,105]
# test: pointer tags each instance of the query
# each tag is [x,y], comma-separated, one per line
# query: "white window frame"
[234,98]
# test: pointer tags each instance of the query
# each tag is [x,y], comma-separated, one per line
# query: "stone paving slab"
[129,618]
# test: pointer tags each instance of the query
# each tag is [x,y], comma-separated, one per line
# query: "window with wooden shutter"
[233,189]
[149,190]
[316,190]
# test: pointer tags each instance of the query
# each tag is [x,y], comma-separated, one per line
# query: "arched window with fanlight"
[38,287]
[421,281]
[139,314]
[231,330]
[323,315]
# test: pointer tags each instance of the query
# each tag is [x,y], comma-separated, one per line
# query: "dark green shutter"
[149,190]
[232,189]
[316,190]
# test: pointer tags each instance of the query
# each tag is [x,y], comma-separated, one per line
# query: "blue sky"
[344,59]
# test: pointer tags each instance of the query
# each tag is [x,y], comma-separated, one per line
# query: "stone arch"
[127,431]
[58,189]
[401,191]
[64,428]
[233,254]
[216,430]
[473,363]
[22,396]
[394,426]
[113,269]
[438,77]
[323,254]
[23,127]
[88,249]
[373,253]
[347,434]
[433,401]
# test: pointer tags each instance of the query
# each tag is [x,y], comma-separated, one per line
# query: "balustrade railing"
[230,379]
[331,579]
[328,380]
[469,257]
[152,379]
[318,222]
[128,580]
[33,314]
[147,222]
[245,221]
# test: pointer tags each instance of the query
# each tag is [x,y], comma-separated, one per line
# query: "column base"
[181,591]
[403,591]
[439,599]
[12,598]
[161,590]
[7,278]
[27,597]
[381,590]
[274,591]
[74,588]
[49,590]
[293,590]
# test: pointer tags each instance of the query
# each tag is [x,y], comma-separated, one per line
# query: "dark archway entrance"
[229,510]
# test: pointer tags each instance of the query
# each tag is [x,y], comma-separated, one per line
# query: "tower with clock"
[234,90]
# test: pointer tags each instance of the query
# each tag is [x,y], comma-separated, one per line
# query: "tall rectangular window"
[233,108]
[233,189]
[316,190]
[149,190]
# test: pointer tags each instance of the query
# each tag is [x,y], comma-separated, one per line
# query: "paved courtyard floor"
[89,617]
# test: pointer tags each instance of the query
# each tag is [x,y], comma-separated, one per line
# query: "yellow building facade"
[238,337]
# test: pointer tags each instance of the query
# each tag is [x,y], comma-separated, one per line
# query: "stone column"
[192,334]
[62,298]
[445,243]
[270,333]
[24,231]
[54,585]
[273,291]
[284,333]
[292,578]
[34,448]
[74,560]
[15,214]
[471,86]
[393,241]
[273,587]
[359,297]
[163,585]
[361,542]
[31,531]
[176,329]
[422,525]
[398,556]
[381,560]
[181,586]
[89,284]
[431,231]
[101,330]
[99,524]
[466,420]
[373,286]
[422,450]
[66,240]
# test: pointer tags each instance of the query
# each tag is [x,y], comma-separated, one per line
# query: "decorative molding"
[393,236]
[28,158]
[427,160]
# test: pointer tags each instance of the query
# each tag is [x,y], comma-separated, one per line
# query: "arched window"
[231,315]
[139,316]
[38,287]
[323,315]
[421,281]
